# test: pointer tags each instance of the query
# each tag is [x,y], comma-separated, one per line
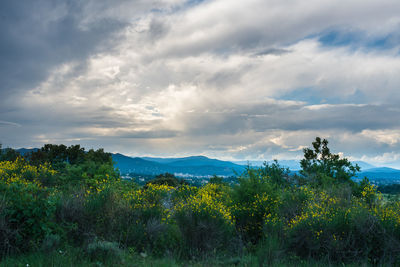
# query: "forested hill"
[197,165]
[203,166]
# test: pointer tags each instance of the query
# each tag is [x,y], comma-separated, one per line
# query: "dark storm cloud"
[160,133]
[157,29]
[37,35]
[294,117]
[353,118]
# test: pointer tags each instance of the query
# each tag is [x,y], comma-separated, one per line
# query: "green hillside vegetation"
[64,206]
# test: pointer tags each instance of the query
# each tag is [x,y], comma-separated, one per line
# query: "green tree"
[166,179]
[74,165]
[319,164]
[8,154]
[216,180]
[278,175]
[56,155]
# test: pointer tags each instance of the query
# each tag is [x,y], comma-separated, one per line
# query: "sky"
[234,80]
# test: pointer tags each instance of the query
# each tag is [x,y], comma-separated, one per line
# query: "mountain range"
[201,166]
[188,166]
[294,165]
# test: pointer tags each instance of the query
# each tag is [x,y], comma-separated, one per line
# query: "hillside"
[380,174]
[195,166]
[294,165]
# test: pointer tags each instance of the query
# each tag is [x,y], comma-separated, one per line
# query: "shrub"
[166,179]
[254,200]
[72,218]
[205,222]
[144,220]
[26,215]
[269,250]
[104,251]
[50,242]
[19,171]
[341,232]
[8,235]
[27,208]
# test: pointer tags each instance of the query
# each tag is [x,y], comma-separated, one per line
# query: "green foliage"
[103,250]
[166,179]
[269,216]
[278,175]
[8,154]
[269,251]
[322,167]
[292,203]
[205,221]
[26,216]
[254,200]
[50,242]
[19,171]
[216,180]
[57,155]
[343,231]
[393,189]
[75,167]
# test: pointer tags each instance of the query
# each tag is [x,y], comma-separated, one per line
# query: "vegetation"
[64,206]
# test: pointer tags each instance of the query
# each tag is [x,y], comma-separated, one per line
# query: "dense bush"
[345,231]
[26,207]
[321,215]
[254,200]
[205,220]
[104,250]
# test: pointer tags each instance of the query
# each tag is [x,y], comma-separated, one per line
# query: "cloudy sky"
[255,79]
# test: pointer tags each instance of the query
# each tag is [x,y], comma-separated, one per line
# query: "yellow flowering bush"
[145,218]
[345,231]
[389,213]
[19,171]
[209,200]
[153,195]
[319,207]
[255,201]
[27,208]
[370,195]
[98,185]
[183,192]
[205,220]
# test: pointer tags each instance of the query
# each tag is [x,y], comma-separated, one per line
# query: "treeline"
[74,167]
[393,189]
[64,197]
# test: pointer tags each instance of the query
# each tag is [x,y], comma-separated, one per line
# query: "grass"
[74,257]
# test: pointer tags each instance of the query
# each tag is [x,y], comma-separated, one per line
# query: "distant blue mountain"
[194,161]
[24,151]
[203,166]
[294,165]
[364,165]
[194,166]
[382,173]
[291,164]
[383,170]
[161,160]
